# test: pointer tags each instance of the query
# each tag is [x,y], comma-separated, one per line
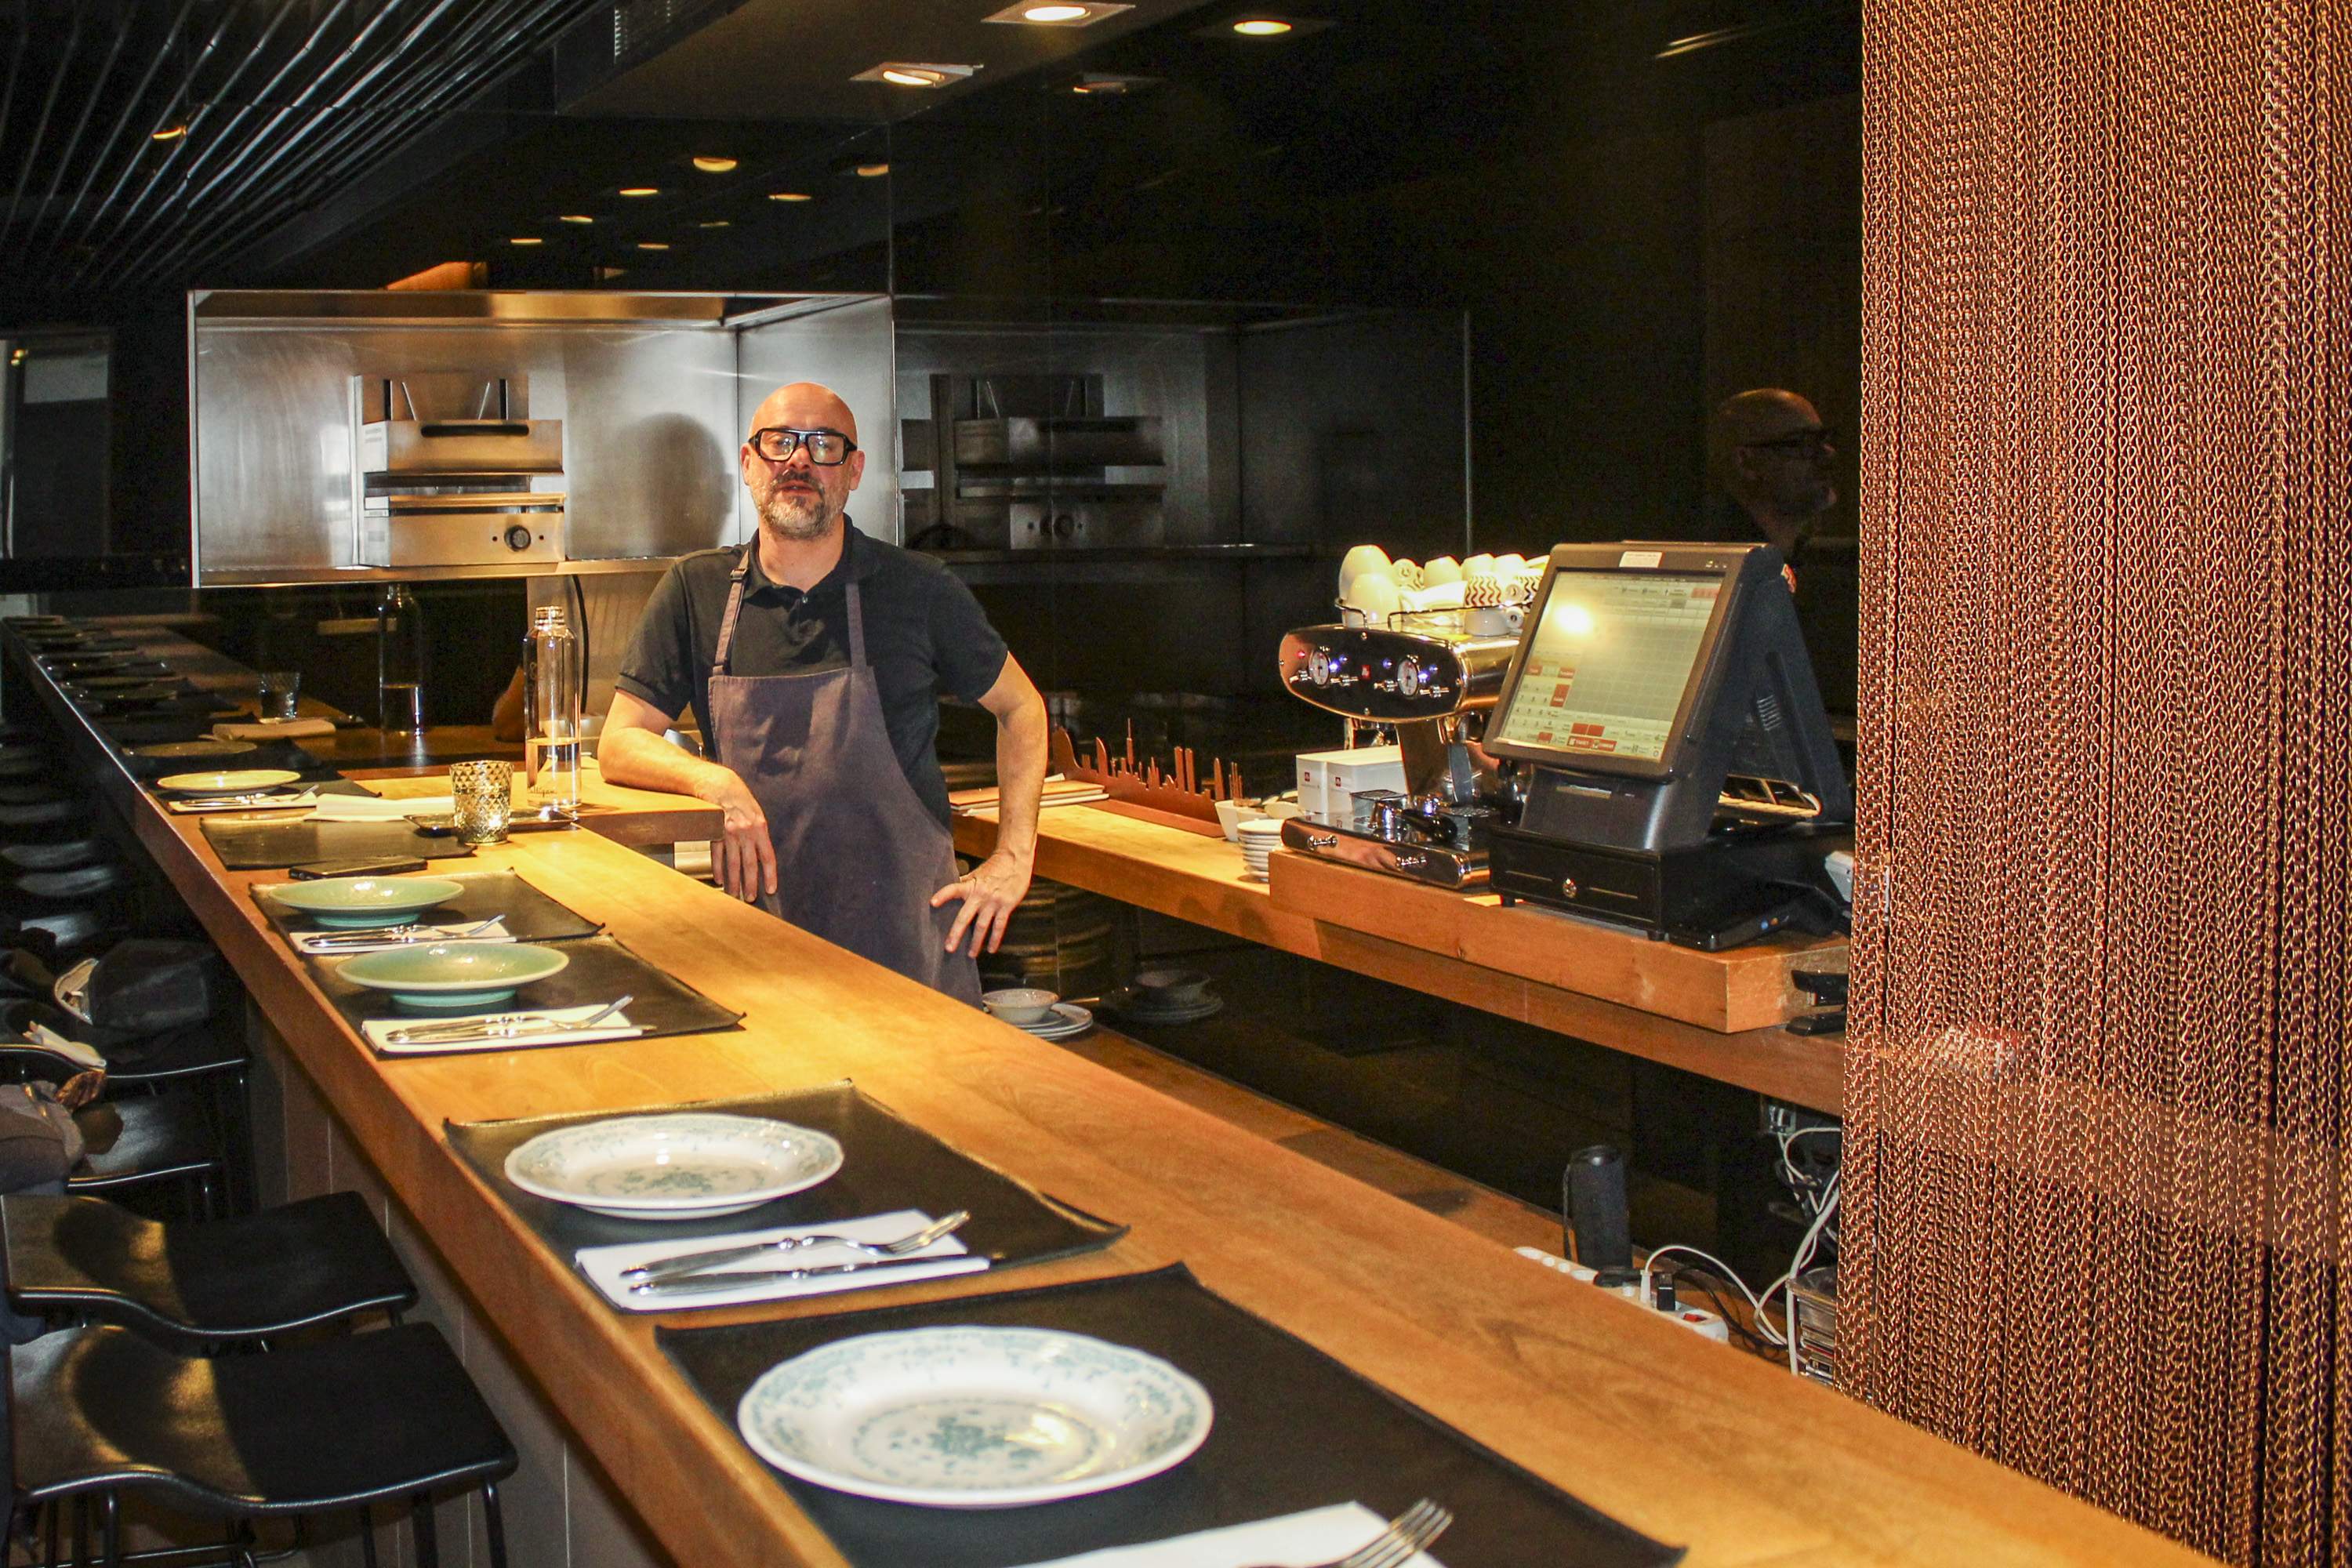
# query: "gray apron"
[858,855]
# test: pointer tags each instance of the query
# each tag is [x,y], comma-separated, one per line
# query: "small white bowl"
[1019,1004]
[1232,813]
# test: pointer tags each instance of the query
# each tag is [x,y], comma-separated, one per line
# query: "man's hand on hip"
[743,861]
[990,893]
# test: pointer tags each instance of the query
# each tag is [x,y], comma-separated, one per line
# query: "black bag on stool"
[146,985]
[39,1144]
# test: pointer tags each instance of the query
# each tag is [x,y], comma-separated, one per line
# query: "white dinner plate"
[243,781]
[973,1418]
[686,1165]
[1066,1019]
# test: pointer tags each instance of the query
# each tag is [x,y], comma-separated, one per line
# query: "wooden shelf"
[1609,988]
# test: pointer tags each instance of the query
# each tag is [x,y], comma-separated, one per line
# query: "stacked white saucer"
[1259,840]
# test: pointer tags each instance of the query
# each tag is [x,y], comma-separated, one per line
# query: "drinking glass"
[481,801]
[280,690]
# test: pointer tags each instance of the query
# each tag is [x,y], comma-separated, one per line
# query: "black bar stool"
[63,855]
[202,1286]
[45,821]
[135,1143]
[100,1414]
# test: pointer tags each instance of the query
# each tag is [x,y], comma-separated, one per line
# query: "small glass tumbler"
[281,690]
[481,801]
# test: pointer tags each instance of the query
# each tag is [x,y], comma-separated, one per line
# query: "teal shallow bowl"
[453,974]
[358,901]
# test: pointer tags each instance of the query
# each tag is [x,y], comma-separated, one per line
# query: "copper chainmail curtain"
[2098,1092]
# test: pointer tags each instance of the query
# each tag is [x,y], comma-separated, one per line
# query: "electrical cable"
[580,603]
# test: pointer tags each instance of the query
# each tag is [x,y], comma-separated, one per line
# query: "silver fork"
[1407,1533]
[695,1262]
[412,931]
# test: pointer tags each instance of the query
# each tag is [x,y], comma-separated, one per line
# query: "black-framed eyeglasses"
[1804,443]
[824,447]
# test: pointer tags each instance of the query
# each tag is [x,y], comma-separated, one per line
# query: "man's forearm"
[1019,779]
[643,760]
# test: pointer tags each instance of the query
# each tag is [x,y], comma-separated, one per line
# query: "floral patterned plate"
[973,1418]
[690,1165]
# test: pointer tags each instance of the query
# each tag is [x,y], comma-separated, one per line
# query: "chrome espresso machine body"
[1432,680]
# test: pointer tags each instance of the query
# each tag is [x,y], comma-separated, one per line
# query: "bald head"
[800,497]
[803,405]
[1767,450]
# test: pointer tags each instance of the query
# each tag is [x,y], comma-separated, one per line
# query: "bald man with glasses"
[813,657]
[1771,459]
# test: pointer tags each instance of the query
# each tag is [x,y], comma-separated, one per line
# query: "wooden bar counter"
[1716,1015]
[1688,1441]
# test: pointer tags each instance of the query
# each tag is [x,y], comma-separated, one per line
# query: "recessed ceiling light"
[714,223]
[712,165]
[526,239]
[652,244]
[1057,13]
[641,190]
[790,196]
[915,73]
[575,217]
[170,133]
[872,171]
[1261,26]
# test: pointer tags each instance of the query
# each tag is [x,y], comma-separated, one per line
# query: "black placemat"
[600,970]
[888,1163]
[273,846]
[1293,1430]
[284,756]
[530,915]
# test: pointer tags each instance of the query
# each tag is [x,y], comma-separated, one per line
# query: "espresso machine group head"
[1433,686]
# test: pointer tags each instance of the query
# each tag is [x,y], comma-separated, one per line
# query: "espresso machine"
[1433,680]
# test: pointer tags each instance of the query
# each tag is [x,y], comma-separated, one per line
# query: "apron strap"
[856,628]
[734,608]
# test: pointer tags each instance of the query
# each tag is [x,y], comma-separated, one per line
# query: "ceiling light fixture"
[641,190]
[872,171]
[915,73]
[790,196]
[1261,26]
[526,239]
[575,217]
[170,132]
[715,223]
[652,244]
[1057,13]
[712,165]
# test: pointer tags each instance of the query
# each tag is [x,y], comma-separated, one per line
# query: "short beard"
[784,516]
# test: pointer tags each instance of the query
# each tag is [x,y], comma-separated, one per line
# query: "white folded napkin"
[333,943]
[947,1255]
[616,1027]
[378,808]
[238,803]
[1318,1535]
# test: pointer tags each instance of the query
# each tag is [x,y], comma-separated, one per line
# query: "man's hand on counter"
[991,891]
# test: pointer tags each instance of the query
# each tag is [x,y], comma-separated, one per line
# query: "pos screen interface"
[1608,666]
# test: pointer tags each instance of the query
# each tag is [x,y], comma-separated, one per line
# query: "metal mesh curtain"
[2097,1091]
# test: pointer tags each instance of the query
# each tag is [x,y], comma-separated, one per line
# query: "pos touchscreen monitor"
[1649,675]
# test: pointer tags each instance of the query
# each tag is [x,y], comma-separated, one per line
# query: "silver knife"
[704,1284]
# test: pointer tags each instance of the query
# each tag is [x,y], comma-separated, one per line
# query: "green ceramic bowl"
[359,901]
[454,974]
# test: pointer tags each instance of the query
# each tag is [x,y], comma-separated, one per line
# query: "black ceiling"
[347,142]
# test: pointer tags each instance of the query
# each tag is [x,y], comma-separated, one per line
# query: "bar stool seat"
[147,1141]
[73,886]
[21,791]
[62,856]
[342,1424]
[196,1286]
[26,760]
[43,820]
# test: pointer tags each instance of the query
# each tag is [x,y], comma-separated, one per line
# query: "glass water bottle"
[551,713]
[399,660]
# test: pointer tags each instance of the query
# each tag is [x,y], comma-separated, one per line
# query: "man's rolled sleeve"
[659,668]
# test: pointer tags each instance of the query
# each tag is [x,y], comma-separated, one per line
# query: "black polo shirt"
[925,635]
